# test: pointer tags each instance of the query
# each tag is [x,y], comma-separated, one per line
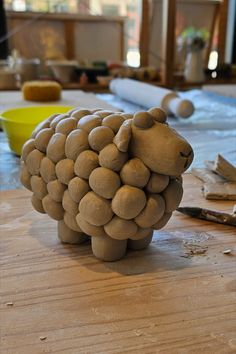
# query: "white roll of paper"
[152,96]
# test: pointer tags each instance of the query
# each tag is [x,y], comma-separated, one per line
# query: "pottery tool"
[152,96]
[209,215]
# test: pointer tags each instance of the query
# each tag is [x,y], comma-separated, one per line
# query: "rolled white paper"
[152,96]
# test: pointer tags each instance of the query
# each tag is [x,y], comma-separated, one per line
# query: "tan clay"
[108,249]
[113,121]
[157,183]
[115,177]
[173,195]
[67,235]
[65,170]
[38,187]
[89,122]
[27,148]
[33,161]
[95,209]
[153,211]
[162,222]
[141,243]
[104,113]
[70,221]
[42,125]
[86,162]
[25,177]
[52,208]
[135,173]
[79,113]
[47,170]
[104,182]
[158,114]
[68,204]
[143,120]
[123,136]
[88,228]
[120,229]
[141,233]
[56,190]
[65,126]
[57,119]
[76,142]
[99,137]
[56,147]
[111,157]
[77,188]
[128,202]
[42,139]
[37,204]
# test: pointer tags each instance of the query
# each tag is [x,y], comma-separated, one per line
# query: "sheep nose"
[186,154]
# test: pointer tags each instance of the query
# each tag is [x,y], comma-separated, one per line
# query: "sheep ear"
[122,138]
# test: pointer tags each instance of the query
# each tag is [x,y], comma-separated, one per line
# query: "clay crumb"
[42,337]
[138,333]
[227,251]
[9,303]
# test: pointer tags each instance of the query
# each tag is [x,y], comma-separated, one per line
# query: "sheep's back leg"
[140,244]
[108,249]
[66,235]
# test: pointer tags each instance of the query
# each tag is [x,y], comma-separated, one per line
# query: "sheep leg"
[140,244]
[66,235]
[108,249]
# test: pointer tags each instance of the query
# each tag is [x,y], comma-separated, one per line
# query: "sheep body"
[85,176]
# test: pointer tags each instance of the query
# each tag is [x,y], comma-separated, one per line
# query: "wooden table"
[60,299]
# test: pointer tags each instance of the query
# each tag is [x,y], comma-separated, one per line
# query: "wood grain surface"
[178,296]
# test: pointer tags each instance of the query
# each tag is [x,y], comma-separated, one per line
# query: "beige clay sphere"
[152,212]
[128,202]
[65,126]
[162,222]
[89,229]
[157,183]
[47,170]
[56,147]
[25,176]
[104,182]
[52,208]
[65,170]
[113,121]
[89,122]
[42,139]
[37,204]
[33,161]
[27,148]
[76,142]
[79,113]
[99,137]
[69,204]
[95,209]
[77,188]
[57,119]
[86,162]
[120,229]
[135,173]
[172,195]
[56,190]
[110,157]
[38,187]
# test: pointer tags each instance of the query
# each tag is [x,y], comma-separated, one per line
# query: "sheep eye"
[143,120]
[158,114]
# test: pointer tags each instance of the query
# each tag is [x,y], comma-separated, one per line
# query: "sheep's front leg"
[66,235]
[140,244]
[108,249]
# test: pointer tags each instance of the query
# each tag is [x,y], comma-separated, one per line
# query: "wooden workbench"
[60,299]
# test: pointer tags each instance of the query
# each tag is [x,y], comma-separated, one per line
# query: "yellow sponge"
[41,91]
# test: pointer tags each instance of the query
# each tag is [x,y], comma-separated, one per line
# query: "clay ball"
[56,147]
[95,209]
[65,170]
[111,157]
[113,121]
[88,228]
[77,188]
[52,208]
[47,170]
[99,137]
[39,187]
[79,113]
[158,114]
[37,204]
[56,190]
[135,173]
[65,126]
[76,142]
[42,139]
[128,202]
[152,212]
[27,148]
[143,120]
[89,122]
[172,195]
[33,161]
[86,162]
[120,229]
[157,183]
[104,182]
[25,177]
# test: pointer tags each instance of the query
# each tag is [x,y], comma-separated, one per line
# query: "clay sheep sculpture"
[113,177]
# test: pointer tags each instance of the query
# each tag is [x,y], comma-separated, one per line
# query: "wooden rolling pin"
[152,96]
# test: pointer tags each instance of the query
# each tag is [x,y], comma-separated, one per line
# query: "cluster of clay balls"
[80,178]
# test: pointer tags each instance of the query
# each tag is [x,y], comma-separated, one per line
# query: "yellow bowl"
[18,123]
